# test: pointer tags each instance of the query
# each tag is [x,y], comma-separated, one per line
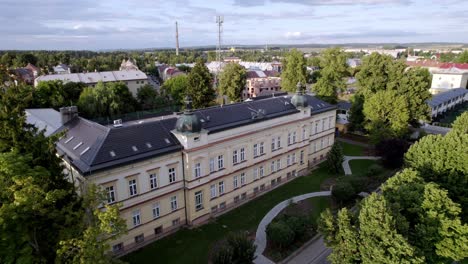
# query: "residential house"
[62,69]
[260,83]
[444,101]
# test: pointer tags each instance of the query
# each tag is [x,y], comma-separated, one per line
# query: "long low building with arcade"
[185,169]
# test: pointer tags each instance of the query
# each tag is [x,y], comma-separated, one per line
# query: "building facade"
[261,83]
[444,80]
[134,79]
[184,171]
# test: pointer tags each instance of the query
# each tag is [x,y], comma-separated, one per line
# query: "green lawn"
[360,167]
[192,246]
[351,149]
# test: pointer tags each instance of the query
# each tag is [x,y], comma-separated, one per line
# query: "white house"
[444,80]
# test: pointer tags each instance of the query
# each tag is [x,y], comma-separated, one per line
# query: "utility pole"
[177,38]
[219,21]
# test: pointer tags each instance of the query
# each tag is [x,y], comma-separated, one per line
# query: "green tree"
[414,87]
[346,240]
[333,71]
[460,125]
[356,116]
[335,158]
[294,70]
[232,81]
[343,191]
[280,234]
[100,226]
[462,57]
[200,86]
[386,114]
[176,88]
[71,92]
[237,249]
[374,74]
[148,98]
[49,94]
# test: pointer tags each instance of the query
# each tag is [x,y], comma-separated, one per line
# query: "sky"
[124,24]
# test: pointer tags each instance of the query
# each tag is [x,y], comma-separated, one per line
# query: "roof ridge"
[99,142]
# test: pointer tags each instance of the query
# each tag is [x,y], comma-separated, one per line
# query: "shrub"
[359,183]
[224,255]
[392,152]
[298,225]
[374,170]
[243,249]
[343,191]
[280,234]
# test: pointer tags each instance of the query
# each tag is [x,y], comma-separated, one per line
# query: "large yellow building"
[184,170]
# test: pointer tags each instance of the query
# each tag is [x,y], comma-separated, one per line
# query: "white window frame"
[235,182]
[255,150]
[221,187]
[304,133]
[289,138]
[294,137]
[255,173]
[293,158]
[278,142]
[156,210]
[242,179]
[220,162]
[242,154]
[153,177]
[235,158]
[278,164]
[132,186]
[316,127]
[213,191]
[136,218]
[302,157]
[262,148]
[199,200]
[288,160]
[172,175]
[212,165]
[197,170]
[273,144]
[272,166]
[110,194]
[174,204]
[261,171]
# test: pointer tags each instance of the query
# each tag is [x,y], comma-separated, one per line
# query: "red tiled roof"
[437,64]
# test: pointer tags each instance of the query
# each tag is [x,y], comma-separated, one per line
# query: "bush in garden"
[298,224]
[374,170]
[237,249]
[280,234]
[343,191]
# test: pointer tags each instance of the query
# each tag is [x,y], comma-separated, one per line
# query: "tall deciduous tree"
[232,81]
[414,87]
[461,124]
[333,71]
[176,88]
[200,85]
[294,70]
[386,114]
[148,98]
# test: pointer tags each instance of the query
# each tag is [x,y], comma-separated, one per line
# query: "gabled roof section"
[92,147]
[445,97]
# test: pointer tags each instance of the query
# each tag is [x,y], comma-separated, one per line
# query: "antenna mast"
[219,21]
[177,38]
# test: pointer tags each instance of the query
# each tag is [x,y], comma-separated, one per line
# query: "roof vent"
[208,118]
[84,151]
[78,145]
[134,148]
[118,123]
[149,145]
[167,141]
[70,139]
[112,153]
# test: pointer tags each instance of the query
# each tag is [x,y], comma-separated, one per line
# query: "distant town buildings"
[128,65]
[62,69]
[447,79]
[134,79]
[261,83]
[26,74]
[392,52]
[167,72]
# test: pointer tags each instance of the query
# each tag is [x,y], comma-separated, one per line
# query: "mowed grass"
[351,149]
[360,167]
[193,246]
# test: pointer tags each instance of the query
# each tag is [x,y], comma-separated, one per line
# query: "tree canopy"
[148,98]
[232,81]
[294,70]
[176,88]
[200,86]
[332,73]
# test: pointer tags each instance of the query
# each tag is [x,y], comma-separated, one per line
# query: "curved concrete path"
[260,236]
[345,164]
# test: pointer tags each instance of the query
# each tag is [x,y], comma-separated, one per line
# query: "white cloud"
[293,35]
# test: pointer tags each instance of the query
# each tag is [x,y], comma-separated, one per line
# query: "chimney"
[177,38]
[68,113]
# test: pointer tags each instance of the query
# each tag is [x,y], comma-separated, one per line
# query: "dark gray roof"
[446,96]
[90,146]
[344,105]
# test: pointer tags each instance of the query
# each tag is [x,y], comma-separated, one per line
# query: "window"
[304,133]
[220,162]
[255,190]
[197,170]
[255,150]
[136,218]
[235,182]
[110,194]
[243,196]
[321,143]
[302,157]
[323,124]
[262,187]
[273,144]
[273,182]
[242,179]
[132,187]
[139,238]
[315,146]
[278,165]
[288,160]
[214,209]
[172,175]
[234,157]
[316,127]
[222,205]
[176,222]
[199,200]
[294,137]
[212,165]
[261,171]
[293,158]
[272,167]
[158,230]
[153,181]
[278,142]
[242,154]
[174,203]
[255,173]
[221,187]
[289,138]
[261,148]
[236,199]
[213,191]
[156,210]
[330,120]
[118,247]
[329,141]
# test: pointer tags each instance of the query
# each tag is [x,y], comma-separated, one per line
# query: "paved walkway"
[260,236]
[345,164]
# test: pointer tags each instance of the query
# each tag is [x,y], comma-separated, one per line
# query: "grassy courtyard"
[193,246]
[352,150]
[359,167]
